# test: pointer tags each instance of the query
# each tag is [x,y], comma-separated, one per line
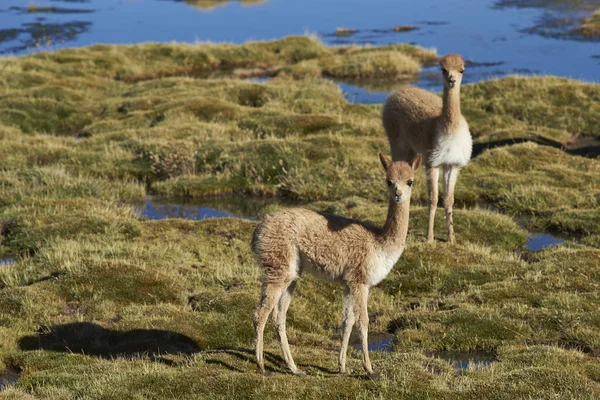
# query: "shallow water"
[249,208]
[8,376]
[7,262]
[496,40]
[360,95]
[540,241]
[378,341]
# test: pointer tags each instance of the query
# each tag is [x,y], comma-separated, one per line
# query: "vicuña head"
[453,67]
[332,248]
[400,179]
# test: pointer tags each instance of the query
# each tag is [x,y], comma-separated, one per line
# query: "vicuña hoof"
[300,373]
[266,373]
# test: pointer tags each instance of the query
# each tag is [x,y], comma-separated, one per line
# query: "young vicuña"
[353,254]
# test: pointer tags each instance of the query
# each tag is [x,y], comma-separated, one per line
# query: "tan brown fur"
[351,253]
[452,62]
[418,121]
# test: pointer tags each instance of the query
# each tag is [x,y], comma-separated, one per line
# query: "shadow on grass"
[278,364]
[94,340]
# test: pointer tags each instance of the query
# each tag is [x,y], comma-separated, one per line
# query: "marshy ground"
[101,303]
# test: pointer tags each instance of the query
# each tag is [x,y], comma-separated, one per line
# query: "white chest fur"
[382,263]
[454,148]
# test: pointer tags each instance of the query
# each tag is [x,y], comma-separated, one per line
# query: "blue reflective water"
[7,262]
[250,208]
[9,376]
[378,341]
[357,94]
[539,241]
[458,359]
[498,40]
[153,211]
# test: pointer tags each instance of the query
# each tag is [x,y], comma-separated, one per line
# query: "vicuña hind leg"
[279,317]
[268,299]
[433,175]
[347,324]
[450,177]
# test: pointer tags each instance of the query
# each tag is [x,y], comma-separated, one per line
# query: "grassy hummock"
[101,303]
[591,26]
[208,5]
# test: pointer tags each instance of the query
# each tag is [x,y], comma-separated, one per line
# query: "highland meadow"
[102,303]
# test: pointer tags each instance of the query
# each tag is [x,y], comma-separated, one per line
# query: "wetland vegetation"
[101,303]
[591,26]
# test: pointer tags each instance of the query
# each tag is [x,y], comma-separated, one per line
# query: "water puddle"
[461,360]
[466,359]
[7,262]
[156,211]
[540,241]
[361,95]
[249,208]
[9,376]
[378,341]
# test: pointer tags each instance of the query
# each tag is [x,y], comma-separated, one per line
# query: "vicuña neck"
[451,108]
[396,225]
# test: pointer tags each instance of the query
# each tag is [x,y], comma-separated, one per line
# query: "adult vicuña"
[418,121]
[353,254]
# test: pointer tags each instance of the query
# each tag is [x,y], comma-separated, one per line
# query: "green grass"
[548,106]
[104,304]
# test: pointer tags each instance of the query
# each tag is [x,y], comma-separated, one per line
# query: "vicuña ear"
[416,162]
[386,162]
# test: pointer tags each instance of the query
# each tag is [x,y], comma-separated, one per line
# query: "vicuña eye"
[461,71]
[409,183]
[444,70]
[389,182]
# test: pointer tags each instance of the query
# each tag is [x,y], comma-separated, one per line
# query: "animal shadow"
[92,339]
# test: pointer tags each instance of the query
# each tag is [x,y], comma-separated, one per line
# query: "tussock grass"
[544,105]
[591,26]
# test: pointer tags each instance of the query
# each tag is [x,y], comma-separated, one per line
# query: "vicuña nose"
[398,196]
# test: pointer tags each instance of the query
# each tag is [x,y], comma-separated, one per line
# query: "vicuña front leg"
[433,175]
[279,317]
[347,324]
[450,177]
[361,296]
